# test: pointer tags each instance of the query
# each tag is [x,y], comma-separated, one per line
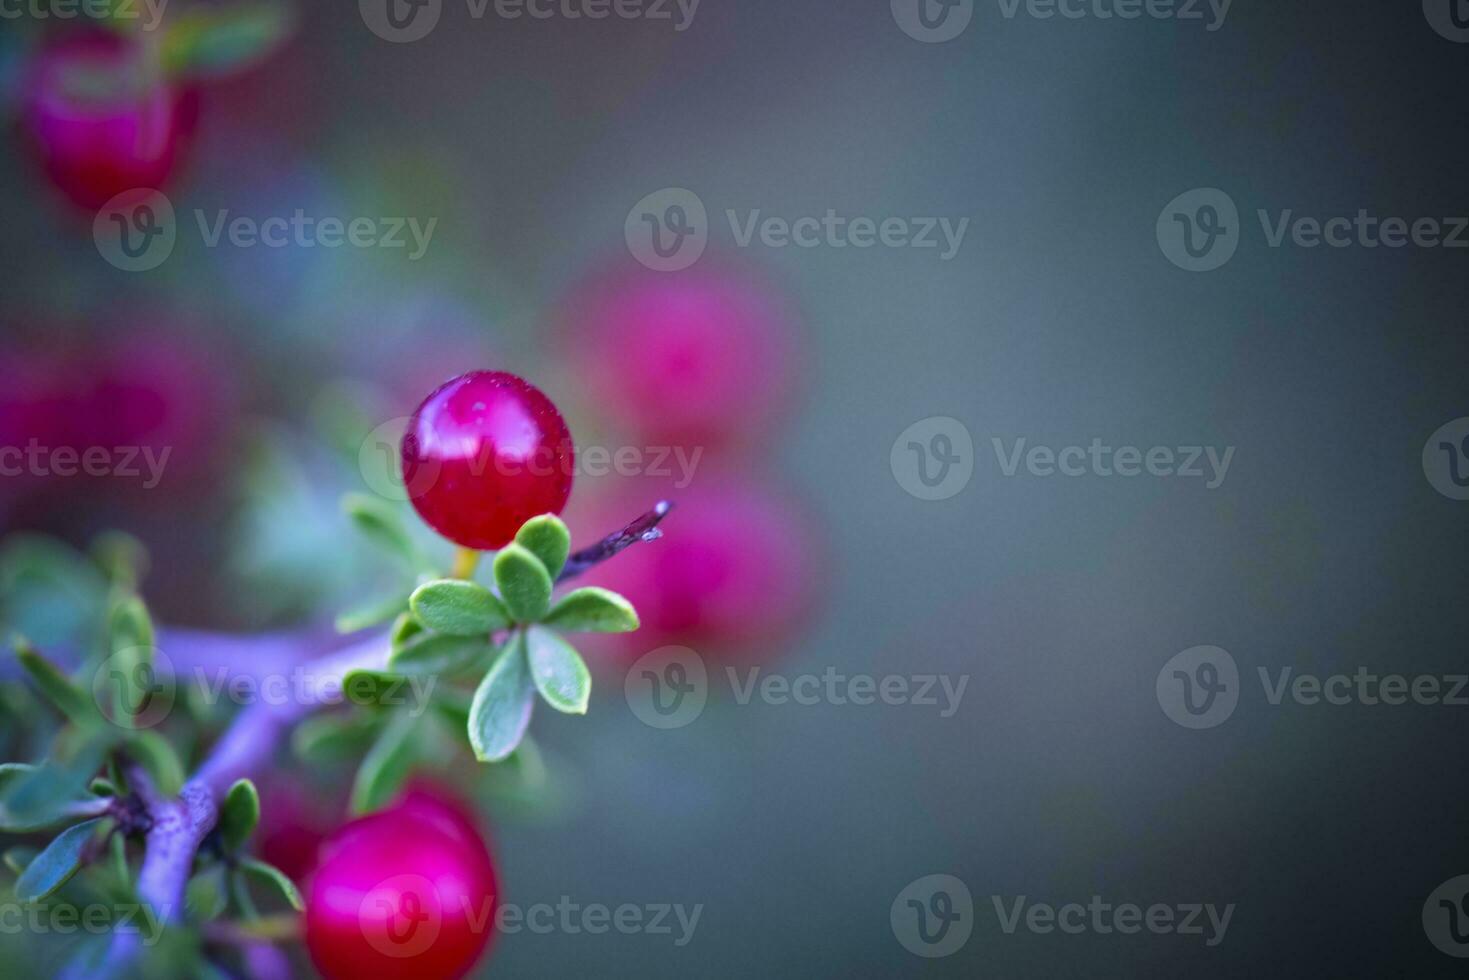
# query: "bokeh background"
[1325,549]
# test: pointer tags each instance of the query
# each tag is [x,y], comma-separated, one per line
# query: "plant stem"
[466,560]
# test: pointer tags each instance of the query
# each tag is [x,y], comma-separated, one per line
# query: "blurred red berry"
[102,117]
[733,575]
[483,454]
[407,892]
[705,357]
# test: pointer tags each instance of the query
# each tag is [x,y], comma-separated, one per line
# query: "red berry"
[706,357]
[407,892]
[483,454]
[102,117]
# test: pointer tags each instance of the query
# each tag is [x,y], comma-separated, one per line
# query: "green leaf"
[524,583]
[458,608]
[385,768]
[13,774]
[130,668]
[371,613]
[54,866]
[34,797]
[68,698]
[129,625]
[559,671]
[405,628]
[380,523]
[154,753]
[434,653]
[375,688]
[501,709]
[593,610]
[206,896]
[547,538]
[272,875]
[224,39]
[239,815]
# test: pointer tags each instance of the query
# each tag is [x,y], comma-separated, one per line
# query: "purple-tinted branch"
[178,827]
[644,528]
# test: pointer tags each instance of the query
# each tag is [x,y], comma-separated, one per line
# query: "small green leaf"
[272,875]
[375,688]
[559,671]
[371,613]
[459,608]
[524,583]
[547,538]
[206,896]
[434,653]
[501,710]
[130,667]
[69,699]
[224,39]
[239,815]
[593,610]
[379,523]
[34,797]
[54,866]
[405,628]
[155,754]
[385,767]
[129,626]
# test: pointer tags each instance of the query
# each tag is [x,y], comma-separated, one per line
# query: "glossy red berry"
[102,118]
[483,454]
[406,892]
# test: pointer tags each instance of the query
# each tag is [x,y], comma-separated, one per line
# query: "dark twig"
[644,528]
